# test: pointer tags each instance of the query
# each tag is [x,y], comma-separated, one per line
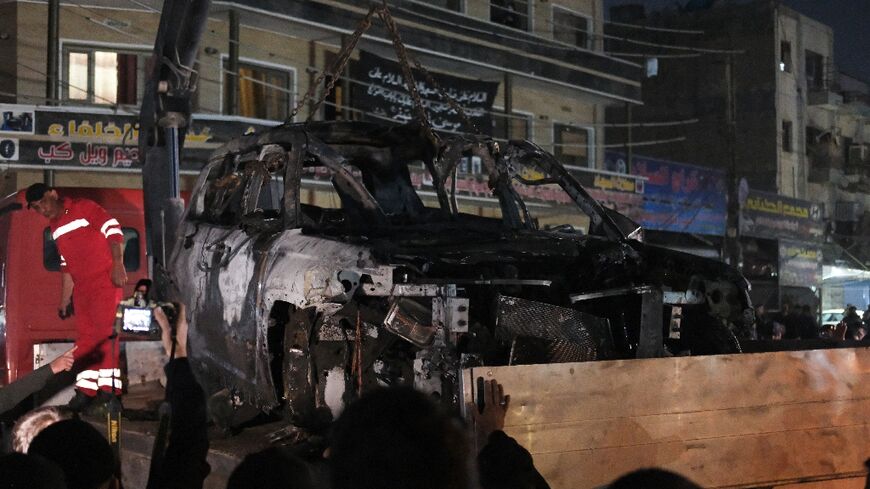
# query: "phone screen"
[137,320]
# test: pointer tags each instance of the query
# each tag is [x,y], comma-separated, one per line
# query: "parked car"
[419,266]
[832,317]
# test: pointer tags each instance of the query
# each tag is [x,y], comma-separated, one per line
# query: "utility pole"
[52,83]
[508,105]
[344,100]
[629,147]
[733,250]
[234,80]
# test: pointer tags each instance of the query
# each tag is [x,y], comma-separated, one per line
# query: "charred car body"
[304,306]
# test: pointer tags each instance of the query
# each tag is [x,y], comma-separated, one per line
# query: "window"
[512,13]
[785,56]
[103,76]
[570,28]
[815,70]
[813,137]
[131,249]
[264,93]
[786,136]
[847,145]
[455,5]
[51,258]
[520,126]
[573,145]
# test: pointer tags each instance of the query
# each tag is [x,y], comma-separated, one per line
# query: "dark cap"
[35,192]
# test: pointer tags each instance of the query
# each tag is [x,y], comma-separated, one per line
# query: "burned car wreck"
[301,307]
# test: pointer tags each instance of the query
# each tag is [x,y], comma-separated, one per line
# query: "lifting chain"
[410,82]
[335,70]
[450,100]
[404,62]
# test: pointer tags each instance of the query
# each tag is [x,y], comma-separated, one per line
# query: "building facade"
[542,65]
[766,106]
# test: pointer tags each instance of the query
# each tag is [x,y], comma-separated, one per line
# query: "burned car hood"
[576,262]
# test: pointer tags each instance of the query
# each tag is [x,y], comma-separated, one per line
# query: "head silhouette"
[398,438]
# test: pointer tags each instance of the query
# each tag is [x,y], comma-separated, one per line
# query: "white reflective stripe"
[87,384]
[117,382]
[88,374]
[109,223]
[108,372]
[62,261]
[70,226]
[114,231]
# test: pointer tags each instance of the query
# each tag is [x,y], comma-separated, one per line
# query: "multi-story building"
[759,78]
[537,71]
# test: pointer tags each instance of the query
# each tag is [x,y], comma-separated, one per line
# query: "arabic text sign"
[772,216]
[384,93]
[680,198]
[103,139]
[623,193]
[799,264]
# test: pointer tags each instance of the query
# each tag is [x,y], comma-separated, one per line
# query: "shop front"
[781,240]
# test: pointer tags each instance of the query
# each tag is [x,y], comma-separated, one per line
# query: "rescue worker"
[90,243]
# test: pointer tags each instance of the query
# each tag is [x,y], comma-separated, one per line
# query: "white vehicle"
[832,317]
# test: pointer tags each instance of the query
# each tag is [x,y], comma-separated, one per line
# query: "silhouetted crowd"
[800,322]
[390,438]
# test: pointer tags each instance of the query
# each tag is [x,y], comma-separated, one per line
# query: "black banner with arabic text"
[384,95]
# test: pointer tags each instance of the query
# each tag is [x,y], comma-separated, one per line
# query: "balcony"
[824,98]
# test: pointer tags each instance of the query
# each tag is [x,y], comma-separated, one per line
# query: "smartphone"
[137,320]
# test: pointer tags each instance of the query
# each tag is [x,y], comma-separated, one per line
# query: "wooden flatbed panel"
[725,421]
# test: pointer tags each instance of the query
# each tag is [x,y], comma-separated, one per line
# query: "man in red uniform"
[90,243]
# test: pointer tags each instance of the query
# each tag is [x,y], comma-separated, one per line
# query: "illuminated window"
[263,92]
[785,56]
[101,76]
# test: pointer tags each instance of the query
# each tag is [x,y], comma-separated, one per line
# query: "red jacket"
[82,234]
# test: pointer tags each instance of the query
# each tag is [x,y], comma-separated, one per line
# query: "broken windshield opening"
[358,187]
[546,202]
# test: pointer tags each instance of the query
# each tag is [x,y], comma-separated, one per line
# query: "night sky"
[850,20]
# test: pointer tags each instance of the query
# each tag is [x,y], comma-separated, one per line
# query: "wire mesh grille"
[544,333]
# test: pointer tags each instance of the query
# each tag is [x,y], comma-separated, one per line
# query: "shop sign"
[678,197]
[800,264]
[771,216]
[85,138]
[623,193]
